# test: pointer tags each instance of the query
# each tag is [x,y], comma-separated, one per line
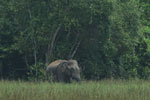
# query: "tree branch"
[51,45]
[75,50]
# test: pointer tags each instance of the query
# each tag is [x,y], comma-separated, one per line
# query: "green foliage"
[37,72]
[109,38]
[144,48]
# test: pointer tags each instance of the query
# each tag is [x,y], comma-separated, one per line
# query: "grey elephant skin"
[63,71]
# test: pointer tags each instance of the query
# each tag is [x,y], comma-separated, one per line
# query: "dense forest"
[108,38]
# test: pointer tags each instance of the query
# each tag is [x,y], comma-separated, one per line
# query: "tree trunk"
[34,44]
[51,45]
[1,70]
[35,58]
[75,49]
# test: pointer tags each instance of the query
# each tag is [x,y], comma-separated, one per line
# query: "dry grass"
[101,90]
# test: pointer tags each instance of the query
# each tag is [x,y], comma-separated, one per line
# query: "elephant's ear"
[69,65]
[65,66]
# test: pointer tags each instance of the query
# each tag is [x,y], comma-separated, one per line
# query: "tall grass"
[101,90]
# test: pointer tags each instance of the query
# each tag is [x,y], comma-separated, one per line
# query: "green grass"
[101,90]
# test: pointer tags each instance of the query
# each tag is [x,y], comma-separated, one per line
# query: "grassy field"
[101,90]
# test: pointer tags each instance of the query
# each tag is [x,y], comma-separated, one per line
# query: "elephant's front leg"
[68,79]
[60,77]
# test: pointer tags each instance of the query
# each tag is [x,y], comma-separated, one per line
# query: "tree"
[103,35]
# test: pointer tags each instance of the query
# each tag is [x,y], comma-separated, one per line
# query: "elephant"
[63,71]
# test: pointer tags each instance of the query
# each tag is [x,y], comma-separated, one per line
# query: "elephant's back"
[74,64]
[56,63]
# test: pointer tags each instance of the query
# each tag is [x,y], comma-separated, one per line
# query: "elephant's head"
[73,70]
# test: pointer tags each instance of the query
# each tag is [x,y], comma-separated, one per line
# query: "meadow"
[91,90]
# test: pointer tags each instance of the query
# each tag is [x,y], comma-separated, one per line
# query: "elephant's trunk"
[77,78]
